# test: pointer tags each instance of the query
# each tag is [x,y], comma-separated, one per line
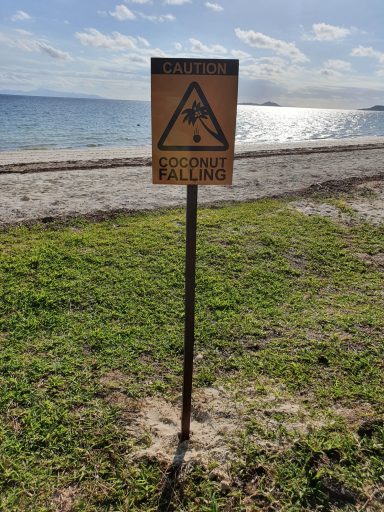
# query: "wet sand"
[66,183]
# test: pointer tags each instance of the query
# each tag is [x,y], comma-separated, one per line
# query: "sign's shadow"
[171,477]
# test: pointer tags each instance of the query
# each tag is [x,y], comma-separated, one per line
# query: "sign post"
[194,104]
[189,330]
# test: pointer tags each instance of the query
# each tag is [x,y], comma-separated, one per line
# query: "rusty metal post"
[189,333]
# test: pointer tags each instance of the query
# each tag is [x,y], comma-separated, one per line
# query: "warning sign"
[205,133]
[194,103]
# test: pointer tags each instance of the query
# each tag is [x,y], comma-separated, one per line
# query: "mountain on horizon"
[265,104]
[50,94]
[375,108]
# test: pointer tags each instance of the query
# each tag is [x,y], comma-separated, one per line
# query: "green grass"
[285,304]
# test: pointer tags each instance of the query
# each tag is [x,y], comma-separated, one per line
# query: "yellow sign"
[194,103]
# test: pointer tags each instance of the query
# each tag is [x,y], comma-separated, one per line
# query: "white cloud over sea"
[122,13]
[114,41]
[213,6]
[20,16]
[265,42]
[25,41]
[303,56]
[327,32]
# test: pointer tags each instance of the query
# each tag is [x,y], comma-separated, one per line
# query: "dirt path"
[66,184]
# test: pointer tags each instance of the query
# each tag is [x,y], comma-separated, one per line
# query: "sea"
[32,122]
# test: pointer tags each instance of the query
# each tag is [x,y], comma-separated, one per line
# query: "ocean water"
[30,122]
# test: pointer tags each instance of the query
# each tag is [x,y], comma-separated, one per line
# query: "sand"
[65,183]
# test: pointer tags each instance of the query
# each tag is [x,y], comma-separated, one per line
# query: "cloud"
[368,51]
[122,13]
[327,96]
[329,73]
[115,41]
[325,32]
[139,59]
[27,43]
[214,6]
[337,65]
[259,40]
[138,1]
[13,78]
[130,62]
[238,54]
[53,52]
[178,47]
[158,19]
[198,47]
[176,2]
[20,16]
[24,33]
[143,41]
[267,68]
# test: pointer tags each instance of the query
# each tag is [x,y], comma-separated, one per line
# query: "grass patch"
[284,306]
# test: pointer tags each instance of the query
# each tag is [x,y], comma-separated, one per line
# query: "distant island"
[266,104]
[50,94]
[376,108]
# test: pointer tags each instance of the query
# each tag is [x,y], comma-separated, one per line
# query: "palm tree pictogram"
[198,112]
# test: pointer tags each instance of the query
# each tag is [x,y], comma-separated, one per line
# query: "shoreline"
[64,185]
[24,156]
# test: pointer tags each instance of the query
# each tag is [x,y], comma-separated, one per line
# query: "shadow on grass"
[171,478]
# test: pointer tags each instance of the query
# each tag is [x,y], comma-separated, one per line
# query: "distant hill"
[377,108]
[50,93]
[266,104]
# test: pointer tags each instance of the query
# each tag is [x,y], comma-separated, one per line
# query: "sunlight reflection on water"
[284,124]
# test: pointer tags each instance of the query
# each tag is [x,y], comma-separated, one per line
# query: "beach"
[61,184]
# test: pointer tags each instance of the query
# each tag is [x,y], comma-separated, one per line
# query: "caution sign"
[194,104]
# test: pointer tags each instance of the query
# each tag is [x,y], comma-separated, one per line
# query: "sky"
[305,53]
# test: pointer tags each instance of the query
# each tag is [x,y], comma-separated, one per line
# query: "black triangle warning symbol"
[193,126]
